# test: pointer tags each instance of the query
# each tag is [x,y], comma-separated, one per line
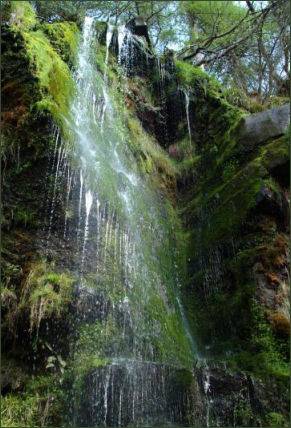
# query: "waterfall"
[187,101]
[132,337]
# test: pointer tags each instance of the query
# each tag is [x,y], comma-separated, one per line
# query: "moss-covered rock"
[64,38]
[234,208]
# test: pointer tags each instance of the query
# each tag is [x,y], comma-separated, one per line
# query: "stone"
[260,127]
[138,27]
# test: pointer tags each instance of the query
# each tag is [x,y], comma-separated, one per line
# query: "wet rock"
[139,392]
[90,305]
[135,53]
[138,27]
[237,399]
[101,30]
[260,127]
[273,203]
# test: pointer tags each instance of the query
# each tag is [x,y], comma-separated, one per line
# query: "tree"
[157,14]
[245,44]
[241,45]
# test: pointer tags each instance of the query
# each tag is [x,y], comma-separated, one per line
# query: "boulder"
[260,127]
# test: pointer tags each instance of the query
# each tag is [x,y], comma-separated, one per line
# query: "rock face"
[260,127]
[138,27]
[234,208]
[233,193]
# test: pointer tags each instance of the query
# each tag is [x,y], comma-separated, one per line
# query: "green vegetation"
[92,346]
[274,419]
[19,410]
[46,293]
[216,210]
[189,76]
[39,405]
[22,16]
[64,37]
[152,158]
[52,73]
[172,346]
[231,247]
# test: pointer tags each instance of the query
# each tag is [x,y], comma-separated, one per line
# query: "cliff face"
[224,181]
[233,197]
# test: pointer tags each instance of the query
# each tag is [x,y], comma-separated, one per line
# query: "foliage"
[39,405]
[157,14]
[46,292]
[275,419]
[241,45]
[19,410]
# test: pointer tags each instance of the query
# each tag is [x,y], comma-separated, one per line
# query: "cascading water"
[187,104]
[132,337]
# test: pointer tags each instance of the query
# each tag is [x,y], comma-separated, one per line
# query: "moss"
[171,343]
[22,15]
[64,37]
[100,60]
[153,160]
[50,396]
[25,217]
[92,345]
[243,414]
[182,379]
[275,153]
[46,293]
[228,204]
[52,73]
[189,76]
[275,101]
[274,419]
[239,98]
[50,78]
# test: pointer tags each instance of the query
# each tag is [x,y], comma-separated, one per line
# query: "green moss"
[46,293]
[153,160]
[64,37]
[25,217]
[182,380]
[53,75]
[228,204]
[243,414]
[49,393]
[276,152]
[239,98]
[22,15]
[189,76]
[274,419]
[92,345]
[100,59]
[171,343]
